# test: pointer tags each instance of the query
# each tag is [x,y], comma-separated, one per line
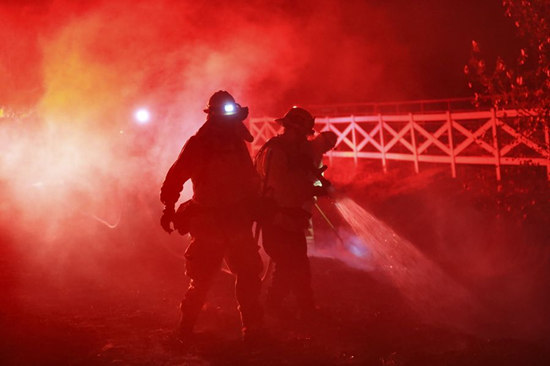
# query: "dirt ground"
[120,305]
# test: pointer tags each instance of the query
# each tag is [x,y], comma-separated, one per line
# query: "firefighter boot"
[247,290]
[190,308]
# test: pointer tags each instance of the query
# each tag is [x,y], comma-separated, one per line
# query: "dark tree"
[525,83]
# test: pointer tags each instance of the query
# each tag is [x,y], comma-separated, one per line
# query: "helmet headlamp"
[229,109]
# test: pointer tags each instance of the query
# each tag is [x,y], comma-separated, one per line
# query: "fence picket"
[496,142]
[451,144]
[382,147]
[413,140]
[354,139]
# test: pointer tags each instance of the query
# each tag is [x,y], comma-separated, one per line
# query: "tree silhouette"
[524,84]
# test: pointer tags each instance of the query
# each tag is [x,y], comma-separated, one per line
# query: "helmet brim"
[242,112]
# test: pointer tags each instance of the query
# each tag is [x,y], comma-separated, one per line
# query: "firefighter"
[218,217]
[288,165]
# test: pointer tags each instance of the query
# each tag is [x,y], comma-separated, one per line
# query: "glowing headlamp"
[229,108]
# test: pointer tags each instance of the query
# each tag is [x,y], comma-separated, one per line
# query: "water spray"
[425,286]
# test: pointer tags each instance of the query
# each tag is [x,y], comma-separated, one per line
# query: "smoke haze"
[79,70]
[79,178]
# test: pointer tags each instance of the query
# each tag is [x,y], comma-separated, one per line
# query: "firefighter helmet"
[298,118]
[221,103]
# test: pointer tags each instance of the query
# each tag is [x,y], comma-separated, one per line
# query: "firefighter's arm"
[177,175]
[322,187]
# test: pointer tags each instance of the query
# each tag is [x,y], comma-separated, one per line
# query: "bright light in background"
[142,116]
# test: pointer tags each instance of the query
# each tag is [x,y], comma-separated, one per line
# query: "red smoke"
[83,68]
[78,166]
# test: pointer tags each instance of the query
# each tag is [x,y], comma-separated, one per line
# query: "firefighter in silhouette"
[218,217]
[290,171]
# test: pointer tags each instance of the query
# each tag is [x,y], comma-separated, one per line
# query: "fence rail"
[399,107]
[480,138]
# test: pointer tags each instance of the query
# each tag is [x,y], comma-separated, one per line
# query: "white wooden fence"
[480,138]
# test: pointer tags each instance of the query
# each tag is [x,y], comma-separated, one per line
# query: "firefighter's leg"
[203,260]
[274,243]
[281,282]
[245,262]
[301,287]
[191,305]
[300,271]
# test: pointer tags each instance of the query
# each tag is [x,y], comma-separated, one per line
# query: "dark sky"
[309,52]
[422,46]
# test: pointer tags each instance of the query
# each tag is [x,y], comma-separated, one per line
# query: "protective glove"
[166,219]
[325,189]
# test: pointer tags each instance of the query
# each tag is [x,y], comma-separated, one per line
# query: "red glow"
[83,259]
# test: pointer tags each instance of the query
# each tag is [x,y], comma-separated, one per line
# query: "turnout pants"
[212,241]
[292,274]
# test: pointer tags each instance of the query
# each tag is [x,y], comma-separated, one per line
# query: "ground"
[471,235]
